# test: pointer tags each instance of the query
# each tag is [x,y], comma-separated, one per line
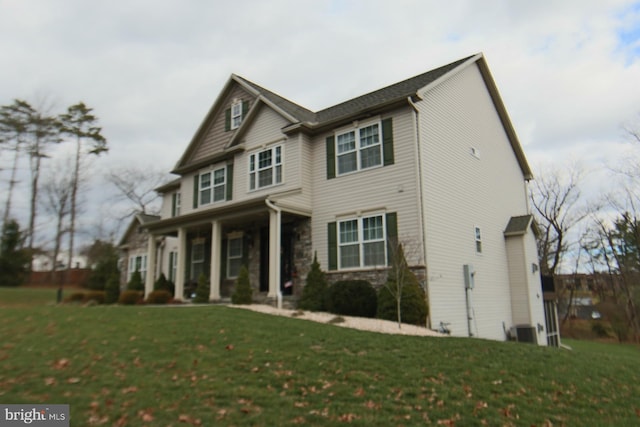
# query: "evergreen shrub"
[352,298]
[315,289]
[242,294]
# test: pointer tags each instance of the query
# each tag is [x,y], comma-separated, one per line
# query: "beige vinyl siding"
[167,203]
[383,189]
[518,280]
[461,192]
[215,137]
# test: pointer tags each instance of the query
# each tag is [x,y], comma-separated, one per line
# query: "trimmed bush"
[242,294]
[130,297]
[135,284]
[112,290]
[96,296]
[162,284]
[352,298]
[202,291]
[159,297]
[315,290]
[75,297]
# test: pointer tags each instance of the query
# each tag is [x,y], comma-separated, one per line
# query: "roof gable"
[137,221]
[209,145]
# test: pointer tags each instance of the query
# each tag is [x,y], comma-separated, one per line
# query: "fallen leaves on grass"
[61,364]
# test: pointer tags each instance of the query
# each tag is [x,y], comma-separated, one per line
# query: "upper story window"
[361,242]
[175,204]
[359,149]
[212,186]
[265,168]
[235,114]
[362,148]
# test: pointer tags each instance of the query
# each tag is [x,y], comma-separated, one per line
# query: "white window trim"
[254,169]
[477,233]
[236,114]
[356,130]
[230,237]
[177,206]
[212,186]
[360,223]
[143,265]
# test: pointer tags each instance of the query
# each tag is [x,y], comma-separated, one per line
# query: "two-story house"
[432,162]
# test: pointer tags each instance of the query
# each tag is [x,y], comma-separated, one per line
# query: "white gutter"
[420,197]
[274,267]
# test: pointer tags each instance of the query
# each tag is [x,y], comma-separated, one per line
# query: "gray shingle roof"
[518,225]
[395,92]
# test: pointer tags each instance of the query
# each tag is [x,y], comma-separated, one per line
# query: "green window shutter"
[333,246]
[230,181]
[227,119]
[392,235]
[196,181]
[331,157]
[245,109]
[173,204]
[387,141]
[171,255]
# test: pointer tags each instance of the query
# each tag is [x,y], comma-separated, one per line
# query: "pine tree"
[202,291]
[315,289]
[243,293]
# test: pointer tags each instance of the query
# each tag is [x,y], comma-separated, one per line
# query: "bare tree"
[556,201]
[79,124]
[57,202]
[137,186]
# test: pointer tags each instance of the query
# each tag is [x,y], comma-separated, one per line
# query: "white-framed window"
[359,149]
[213,186]
[197,258]
[362,242]
[236,114]
[138,263]
[478,236]
[234,255]
[265,168]
[175,203]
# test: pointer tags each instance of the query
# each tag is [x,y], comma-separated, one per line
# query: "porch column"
[275,227]
[151,265]
[216,247]
[181,267]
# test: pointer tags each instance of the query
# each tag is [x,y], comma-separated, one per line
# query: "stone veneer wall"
[376,277]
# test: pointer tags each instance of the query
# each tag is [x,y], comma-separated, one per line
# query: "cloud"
[567,70]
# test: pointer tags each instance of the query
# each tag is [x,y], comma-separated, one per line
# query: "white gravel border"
[365,324]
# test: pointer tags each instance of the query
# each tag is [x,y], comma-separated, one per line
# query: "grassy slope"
[216,365]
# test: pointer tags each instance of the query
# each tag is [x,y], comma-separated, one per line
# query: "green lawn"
[213,365]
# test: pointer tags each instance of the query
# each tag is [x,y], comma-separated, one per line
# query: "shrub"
[159,297]
[352,298]
[413,305]
[202,291]
[598,328]
[135,284]
[75,297]
[242,294]
[112,290]
[96,296]
[315,290]
[162,284]
[130,297]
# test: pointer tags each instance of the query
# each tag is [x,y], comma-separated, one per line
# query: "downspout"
[420,197]
[277,236]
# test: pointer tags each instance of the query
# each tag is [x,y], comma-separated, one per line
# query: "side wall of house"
[471,179]
[385,189]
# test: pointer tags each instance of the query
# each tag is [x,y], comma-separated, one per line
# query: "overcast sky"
[568,71]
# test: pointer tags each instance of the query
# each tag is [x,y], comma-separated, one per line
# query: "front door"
[286,260]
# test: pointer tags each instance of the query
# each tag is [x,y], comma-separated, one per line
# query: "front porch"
[274,244]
